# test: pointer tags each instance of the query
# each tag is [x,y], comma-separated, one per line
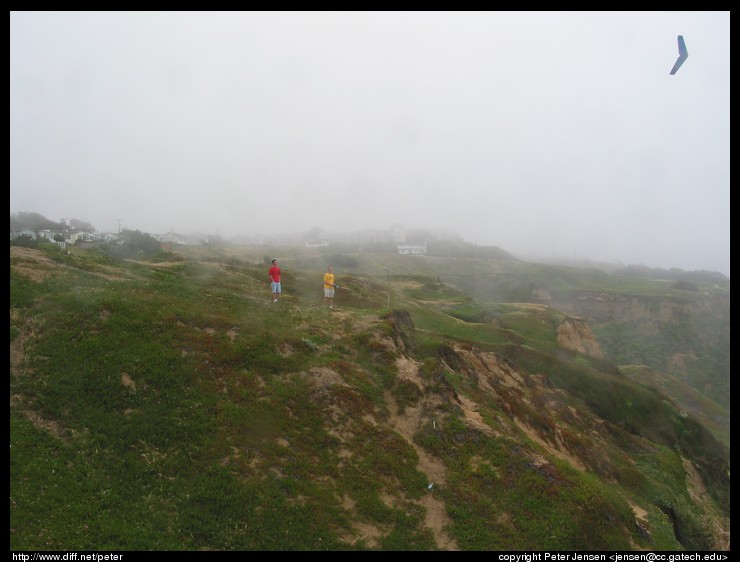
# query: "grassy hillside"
[170,405]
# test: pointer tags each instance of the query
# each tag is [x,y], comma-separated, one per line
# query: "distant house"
[25,232]
[172,238]
[181,239]
[415,249]
[81,236]
[108,236]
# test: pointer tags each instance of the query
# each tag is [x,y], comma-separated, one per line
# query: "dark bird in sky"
[683,54]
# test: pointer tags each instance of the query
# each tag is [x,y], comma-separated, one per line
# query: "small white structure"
[414,249]
[75,236]
[173,237]
[25,232]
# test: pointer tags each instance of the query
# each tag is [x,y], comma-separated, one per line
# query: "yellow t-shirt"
[328,280]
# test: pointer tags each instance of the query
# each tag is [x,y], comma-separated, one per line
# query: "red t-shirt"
[275,273]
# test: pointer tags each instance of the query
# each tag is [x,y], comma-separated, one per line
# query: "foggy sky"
[557,134]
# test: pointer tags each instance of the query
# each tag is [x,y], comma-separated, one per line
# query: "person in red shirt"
[275,281]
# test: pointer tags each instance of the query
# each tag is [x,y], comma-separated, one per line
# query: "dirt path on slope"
[406,425]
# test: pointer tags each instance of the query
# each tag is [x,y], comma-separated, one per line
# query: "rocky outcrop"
[686,336]
[575,334]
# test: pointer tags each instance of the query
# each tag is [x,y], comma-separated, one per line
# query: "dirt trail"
[406,425]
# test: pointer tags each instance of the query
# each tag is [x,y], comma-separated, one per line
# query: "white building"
[415,249]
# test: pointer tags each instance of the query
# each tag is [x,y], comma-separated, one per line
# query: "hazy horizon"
[556,134]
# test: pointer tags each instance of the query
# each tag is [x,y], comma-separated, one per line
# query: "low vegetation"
[167,403]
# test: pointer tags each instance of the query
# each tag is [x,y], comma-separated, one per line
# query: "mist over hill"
[440,242]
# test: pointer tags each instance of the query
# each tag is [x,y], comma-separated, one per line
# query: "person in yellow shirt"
[329,286]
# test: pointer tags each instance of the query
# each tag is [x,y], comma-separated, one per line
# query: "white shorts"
[329,293]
